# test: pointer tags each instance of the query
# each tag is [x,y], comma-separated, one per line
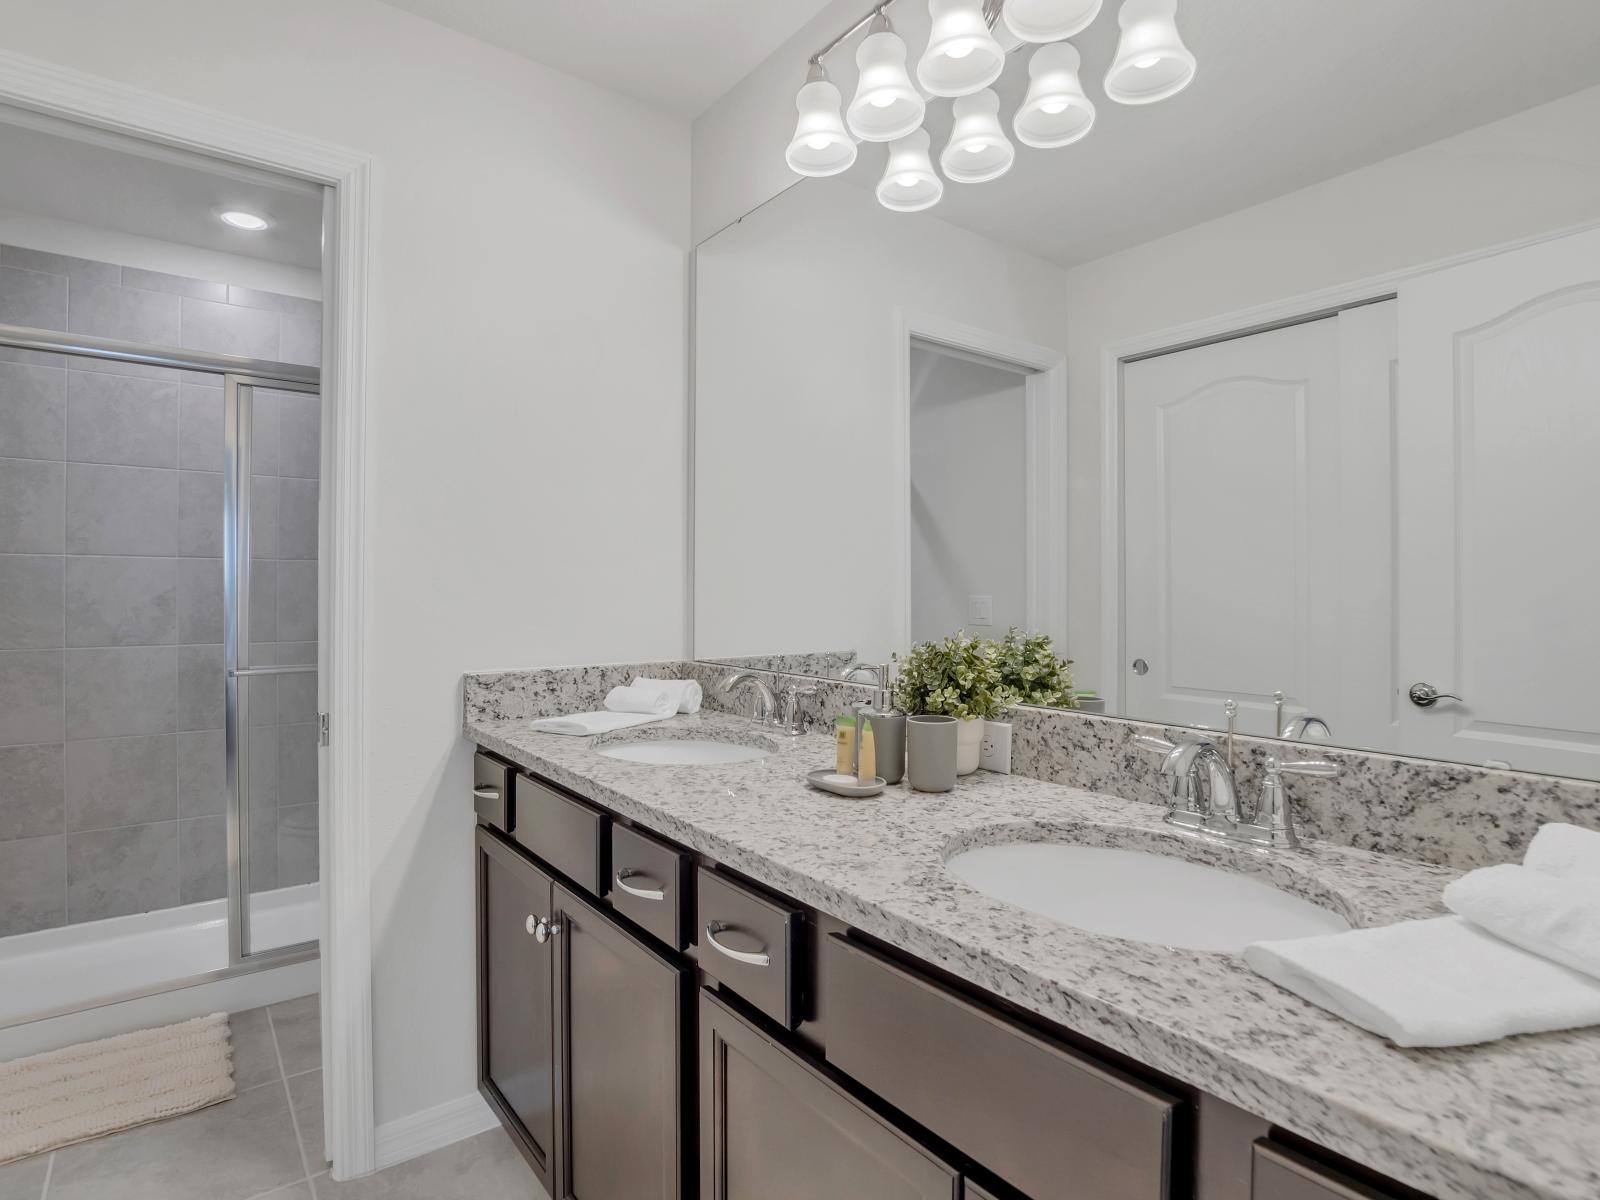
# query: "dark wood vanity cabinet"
[652,1024]
[775,1127]
[619,1050]
[516,1046]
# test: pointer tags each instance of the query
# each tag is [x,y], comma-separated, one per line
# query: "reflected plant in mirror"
[1031,670]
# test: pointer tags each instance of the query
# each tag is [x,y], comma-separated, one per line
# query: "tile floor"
[265,1143]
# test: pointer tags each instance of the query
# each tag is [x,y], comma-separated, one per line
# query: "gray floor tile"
[231,1151]
[255,1054]
[295,1191]
[305,1097]
[484,1166]
[24,1180]
[298,1024]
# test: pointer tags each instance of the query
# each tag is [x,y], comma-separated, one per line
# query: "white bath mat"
[64,1096]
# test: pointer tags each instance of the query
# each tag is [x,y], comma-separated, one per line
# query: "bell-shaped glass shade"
[886,105]
[821,144]
[909,183]
[1152,62]
[962,55]
[1055,112]
[978,149]
[1049,20]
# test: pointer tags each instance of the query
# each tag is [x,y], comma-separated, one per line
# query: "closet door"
[1499,560]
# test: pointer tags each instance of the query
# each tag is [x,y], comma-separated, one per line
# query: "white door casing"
[1499,556]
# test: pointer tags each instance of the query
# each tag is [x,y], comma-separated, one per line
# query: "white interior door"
[1258,505]
[1499,556]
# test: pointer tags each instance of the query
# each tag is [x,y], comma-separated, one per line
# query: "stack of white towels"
[1521,954]
[639,703]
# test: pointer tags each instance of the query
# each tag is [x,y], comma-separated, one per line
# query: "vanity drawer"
[750,943]
[491,791]
[650,884]
[564,831]
[984,1084]
[1283,1174]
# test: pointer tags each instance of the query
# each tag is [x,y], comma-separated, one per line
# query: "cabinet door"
[774,1127]
[516,1048]
[620,1030]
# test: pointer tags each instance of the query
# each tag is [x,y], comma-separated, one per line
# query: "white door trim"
[1238,323]
[346,968]
[1045,400]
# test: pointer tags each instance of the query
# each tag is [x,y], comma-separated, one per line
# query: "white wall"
[150,254]
[969,507]
[797,416]
[527,321]
[1533,172]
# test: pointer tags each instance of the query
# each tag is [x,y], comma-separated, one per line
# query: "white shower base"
[67,970]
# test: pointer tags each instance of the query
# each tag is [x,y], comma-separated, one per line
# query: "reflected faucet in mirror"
[1307,727]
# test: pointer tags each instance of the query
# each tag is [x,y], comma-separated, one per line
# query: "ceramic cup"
[931,753]
[889,734]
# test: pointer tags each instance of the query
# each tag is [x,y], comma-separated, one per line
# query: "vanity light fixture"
[978,150]
[1152,62]
[1055,112]
[821,144]
[963,58]
[886,105]
[962,55]
[909,182]
[241,219]
[1049,20]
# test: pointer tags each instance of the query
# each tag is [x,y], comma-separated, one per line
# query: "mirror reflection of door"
[1258,527]
[969,499]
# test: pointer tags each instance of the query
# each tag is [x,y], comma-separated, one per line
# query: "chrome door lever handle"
[1425,695]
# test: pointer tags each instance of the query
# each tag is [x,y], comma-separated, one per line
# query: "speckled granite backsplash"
[1446,813]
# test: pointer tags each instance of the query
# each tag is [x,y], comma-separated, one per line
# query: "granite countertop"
[1513,1119]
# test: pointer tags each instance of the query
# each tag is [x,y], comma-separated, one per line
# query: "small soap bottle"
[845,740]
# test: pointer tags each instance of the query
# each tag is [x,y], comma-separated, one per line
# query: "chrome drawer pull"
[486,793]
[758,959]
[643,893]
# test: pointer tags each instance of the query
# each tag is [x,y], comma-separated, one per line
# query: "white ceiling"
[678,54]
[1288,93]
[110,182]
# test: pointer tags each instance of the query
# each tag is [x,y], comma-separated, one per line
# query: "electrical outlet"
[980,610]
[995,751]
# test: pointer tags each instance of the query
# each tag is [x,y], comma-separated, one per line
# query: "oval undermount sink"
[1141,897]
[682,752]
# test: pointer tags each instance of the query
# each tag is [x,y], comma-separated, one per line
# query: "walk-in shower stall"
[159,724]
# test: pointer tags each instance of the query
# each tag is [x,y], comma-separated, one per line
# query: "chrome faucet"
[1206,793]
[790,722]
[1303,728]
[766,703]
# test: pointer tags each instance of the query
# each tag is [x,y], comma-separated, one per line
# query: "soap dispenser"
[888,726]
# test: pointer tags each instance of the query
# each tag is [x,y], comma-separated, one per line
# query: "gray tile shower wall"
[111,597]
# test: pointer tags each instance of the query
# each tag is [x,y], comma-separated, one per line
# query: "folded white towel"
[1564,850]
[589,723]
[1554,916]
[641,699]
[686,693]
[1441,982]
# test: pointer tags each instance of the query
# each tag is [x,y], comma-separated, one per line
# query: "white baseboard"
[433,1128]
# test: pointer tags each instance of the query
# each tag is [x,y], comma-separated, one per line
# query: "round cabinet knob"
[1425,695]
[545,929]
[532,925]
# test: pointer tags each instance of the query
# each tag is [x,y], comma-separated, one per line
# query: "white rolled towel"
[641,698]
[590,723]
[1554,916]
[1440,982]
[1560,849]
[686,694]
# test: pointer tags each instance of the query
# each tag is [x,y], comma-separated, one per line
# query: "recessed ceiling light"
[239,219]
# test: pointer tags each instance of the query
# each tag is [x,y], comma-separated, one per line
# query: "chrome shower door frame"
[238,397]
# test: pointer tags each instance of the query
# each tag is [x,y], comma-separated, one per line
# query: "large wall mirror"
[1290,384]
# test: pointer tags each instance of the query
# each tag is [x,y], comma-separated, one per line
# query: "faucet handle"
[1154,745]
[791,707]
[1320,768]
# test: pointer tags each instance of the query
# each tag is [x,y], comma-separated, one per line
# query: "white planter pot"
[969,744]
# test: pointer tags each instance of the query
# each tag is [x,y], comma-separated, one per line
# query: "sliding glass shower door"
[273,436]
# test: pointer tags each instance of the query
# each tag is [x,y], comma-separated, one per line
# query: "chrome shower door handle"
[1425,695]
